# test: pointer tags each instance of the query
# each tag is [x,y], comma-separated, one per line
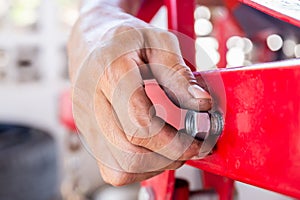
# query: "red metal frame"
[222,185]
[183,22]
[161,185]
[260,144]
[257,146]
[271,12]
[148,9]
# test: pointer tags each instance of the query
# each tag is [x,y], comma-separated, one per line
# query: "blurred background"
[34,78]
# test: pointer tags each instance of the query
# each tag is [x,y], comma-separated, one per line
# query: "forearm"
[95,19]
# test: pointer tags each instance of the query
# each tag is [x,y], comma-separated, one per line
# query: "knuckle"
[124,32]
[162,39]
[182,71]
[124,28]
[181,74]
[168,36]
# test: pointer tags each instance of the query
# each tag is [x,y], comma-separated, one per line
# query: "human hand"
[115,115]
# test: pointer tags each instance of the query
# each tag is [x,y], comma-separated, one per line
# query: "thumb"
[181,87]
[168,68]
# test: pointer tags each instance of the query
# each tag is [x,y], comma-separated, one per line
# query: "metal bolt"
[201,125]
[216,123]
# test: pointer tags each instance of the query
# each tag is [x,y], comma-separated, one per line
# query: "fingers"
[129,140]
[122,85]
[123,155]
[181,87]
[177,80]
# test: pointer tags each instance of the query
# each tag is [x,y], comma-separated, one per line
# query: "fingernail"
[197,92]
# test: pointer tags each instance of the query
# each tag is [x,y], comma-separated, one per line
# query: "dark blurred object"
[4,60]
[181,189]
[258,26]
[28,63]
[28,164]
[253,22]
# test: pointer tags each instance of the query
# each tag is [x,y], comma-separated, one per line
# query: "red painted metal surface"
[181,19]
[181,16]
[275,13]
[231,4]
[260,144]
[222,185]
[162,185]
[148,9]
[181,190]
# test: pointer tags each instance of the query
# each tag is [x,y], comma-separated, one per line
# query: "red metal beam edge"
[260,144]
[272,12]
[161,185]
[181,19]
[148,9]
